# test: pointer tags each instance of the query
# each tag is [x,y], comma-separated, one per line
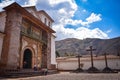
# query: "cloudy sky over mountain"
[79,18]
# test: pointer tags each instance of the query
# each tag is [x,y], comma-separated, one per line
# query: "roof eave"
[24,11]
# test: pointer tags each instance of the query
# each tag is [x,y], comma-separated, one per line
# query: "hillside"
[72,46]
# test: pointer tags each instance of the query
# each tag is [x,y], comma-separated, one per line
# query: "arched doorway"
[27,59]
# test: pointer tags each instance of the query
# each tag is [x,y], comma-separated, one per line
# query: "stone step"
[26,73]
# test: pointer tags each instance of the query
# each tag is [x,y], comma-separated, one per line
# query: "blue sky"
[79,18]
[109,9]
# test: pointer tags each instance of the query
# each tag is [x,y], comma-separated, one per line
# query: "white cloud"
[91,19]
[30,3]
[109,31]
[26,3]
[73,22]
[5,3]
[56,2]
[62,12]
[84,10]
[79,33]
[59,10]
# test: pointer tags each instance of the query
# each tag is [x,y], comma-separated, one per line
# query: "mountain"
[73,46]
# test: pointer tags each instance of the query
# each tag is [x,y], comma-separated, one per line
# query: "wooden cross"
[106,60]
[91,49]
[78,60]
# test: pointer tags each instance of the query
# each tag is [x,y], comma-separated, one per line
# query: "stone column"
[11,45]
[49,51]
[1,43]
[39,54]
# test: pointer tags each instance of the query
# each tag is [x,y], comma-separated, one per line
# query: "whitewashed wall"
[65,64]
[42,16]
[53,55]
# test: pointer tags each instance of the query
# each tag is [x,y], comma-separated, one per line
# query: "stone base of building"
[53,67]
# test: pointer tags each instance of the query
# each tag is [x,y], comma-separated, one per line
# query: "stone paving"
[74,76]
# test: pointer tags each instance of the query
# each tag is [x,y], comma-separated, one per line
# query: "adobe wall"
[85,64]
[11,43]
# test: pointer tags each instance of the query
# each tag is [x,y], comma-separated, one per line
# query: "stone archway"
[27,59]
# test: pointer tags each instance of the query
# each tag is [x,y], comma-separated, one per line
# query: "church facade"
[26,38]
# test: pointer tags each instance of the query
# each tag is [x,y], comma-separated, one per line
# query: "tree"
[57,54]
[66,54]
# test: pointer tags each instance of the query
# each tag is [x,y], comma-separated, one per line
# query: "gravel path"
[74,76]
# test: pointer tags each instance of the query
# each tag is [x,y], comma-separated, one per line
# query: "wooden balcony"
[29,33]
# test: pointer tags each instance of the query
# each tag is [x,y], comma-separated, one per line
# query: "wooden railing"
[29,33]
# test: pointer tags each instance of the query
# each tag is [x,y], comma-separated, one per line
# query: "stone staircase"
[25,73]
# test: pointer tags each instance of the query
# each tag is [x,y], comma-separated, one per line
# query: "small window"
[45,20]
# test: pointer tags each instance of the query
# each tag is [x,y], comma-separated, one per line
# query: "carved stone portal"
[30,53]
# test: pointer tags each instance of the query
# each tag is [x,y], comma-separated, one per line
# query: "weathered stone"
[26,40]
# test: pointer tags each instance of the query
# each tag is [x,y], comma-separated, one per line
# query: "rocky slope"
[72,46]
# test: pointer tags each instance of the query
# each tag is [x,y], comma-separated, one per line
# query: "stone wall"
[72,64]
[2,28]
[14,44]
[1,43]
[49,51]
[11,44]
[2,21]
[35,47]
